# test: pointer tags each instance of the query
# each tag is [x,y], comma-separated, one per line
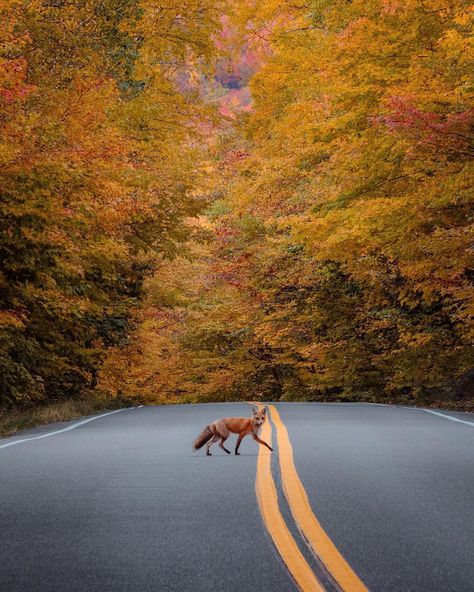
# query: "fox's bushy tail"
[203,437]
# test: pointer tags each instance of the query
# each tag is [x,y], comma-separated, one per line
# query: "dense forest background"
[206,201]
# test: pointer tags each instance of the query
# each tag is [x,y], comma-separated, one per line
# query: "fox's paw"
[208,454]
[271,448]
[237,454]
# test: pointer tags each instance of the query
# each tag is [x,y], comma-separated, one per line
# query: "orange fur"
[222,428]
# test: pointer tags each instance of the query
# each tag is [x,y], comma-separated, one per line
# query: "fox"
[221,429]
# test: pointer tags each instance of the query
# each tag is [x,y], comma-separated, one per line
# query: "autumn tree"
[340,257]
[96,164]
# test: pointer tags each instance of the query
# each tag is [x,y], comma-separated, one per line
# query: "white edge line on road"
[469,423]
[71,427]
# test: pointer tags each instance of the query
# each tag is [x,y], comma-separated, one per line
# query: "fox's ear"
[264,410]
[254,410]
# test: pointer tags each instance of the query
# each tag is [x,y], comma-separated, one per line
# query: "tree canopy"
[273,204]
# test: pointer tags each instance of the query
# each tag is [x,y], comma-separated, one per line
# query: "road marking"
[469,423]
[71,427]
[312,531]
[268,502]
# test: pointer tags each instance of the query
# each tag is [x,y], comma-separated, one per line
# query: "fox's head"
[259,416]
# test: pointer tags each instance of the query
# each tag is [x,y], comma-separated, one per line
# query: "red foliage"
[12,80]
[451,133]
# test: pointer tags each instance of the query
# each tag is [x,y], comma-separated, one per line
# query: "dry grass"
[467,405]
[15,421]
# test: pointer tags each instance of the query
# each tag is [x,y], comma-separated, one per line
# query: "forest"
[210,201]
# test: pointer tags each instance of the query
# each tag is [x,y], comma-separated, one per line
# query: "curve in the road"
[67,429]
[450,417]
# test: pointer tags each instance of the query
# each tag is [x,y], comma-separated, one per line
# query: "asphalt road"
[121,503]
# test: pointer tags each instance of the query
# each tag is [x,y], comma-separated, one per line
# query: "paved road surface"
[121,503]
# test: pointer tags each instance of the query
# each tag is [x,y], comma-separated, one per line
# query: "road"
[121,503]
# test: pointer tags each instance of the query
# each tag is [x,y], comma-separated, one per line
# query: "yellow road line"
[307,522]
[274,522]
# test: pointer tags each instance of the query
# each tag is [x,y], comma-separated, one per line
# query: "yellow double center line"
[314,534]
[284,542]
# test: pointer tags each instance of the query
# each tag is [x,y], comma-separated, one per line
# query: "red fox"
[221,429]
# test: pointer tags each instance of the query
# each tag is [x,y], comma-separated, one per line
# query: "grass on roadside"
[14,421]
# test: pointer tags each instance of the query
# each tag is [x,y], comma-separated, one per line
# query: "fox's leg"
[257,439]
[221,444]
[214,438]
[239,441]
[223,433]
